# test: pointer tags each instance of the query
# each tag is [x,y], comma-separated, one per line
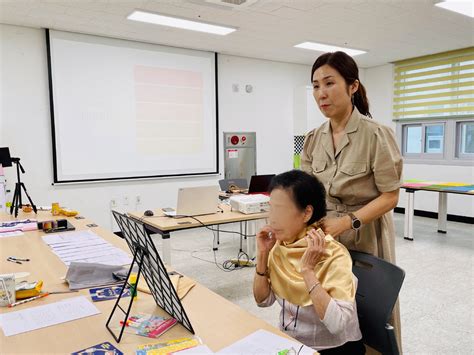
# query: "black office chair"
[377,292]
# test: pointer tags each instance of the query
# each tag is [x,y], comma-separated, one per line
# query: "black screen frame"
[124,178]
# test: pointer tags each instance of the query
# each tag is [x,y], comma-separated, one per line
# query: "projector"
[249,204]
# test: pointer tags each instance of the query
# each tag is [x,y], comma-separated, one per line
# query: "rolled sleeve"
[387,162]
[270,300]
[338,315]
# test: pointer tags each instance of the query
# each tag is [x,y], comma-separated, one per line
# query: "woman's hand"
[336,226]
[314,252]
[265,239]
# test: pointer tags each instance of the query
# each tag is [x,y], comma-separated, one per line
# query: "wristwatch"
[355,222]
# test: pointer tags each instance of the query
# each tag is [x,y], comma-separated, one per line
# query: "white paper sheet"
[263,342]
[87,247]
[39,317]
[11,234]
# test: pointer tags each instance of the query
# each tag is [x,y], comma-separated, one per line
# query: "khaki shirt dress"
[366,163]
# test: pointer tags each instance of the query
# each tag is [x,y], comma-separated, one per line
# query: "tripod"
[17,203]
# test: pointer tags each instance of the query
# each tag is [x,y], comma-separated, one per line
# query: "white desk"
[164,225]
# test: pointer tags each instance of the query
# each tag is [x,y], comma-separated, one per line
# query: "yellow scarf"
[334,270]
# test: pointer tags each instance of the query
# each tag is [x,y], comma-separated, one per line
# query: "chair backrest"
[233,184]
[377,292]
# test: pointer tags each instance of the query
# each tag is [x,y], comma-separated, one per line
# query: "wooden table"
[443,189]
[164,225]
[216,321]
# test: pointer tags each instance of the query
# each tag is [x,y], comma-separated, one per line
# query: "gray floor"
[437,298]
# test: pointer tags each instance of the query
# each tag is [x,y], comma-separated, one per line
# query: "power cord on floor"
[243,260]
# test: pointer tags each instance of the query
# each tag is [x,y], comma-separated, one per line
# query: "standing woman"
[358,161]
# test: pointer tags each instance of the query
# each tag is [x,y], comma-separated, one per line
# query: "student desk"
[217,321]
[442,188]
[164,225]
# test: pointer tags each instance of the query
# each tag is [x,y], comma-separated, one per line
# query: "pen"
[28,300]
[14,261]
[17,259]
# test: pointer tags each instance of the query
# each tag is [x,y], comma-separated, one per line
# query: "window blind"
[438,85]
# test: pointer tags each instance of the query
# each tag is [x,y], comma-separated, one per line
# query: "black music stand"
[149,262]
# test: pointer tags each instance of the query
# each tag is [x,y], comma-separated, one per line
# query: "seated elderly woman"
[307,272]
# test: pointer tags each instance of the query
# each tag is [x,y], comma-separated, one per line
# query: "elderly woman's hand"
[316,247]
[265,239]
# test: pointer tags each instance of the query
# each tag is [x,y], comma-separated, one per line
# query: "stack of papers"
[149,325]
[85,247]
[33,318]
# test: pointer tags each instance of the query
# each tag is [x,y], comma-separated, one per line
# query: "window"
[423,140]
[433,105]
[434,139]
[448,142]
[413,139]
[465,140]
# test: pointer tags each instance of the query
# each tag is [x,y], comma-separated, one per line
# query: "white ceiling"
[388,29]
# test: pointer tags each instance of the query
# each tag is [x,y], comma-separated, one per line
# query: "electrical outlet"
[113,203]
[138,199]
[126,200]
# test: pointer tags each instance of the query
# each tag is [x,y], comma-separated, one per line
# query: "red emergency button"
[244,139]
[234,140]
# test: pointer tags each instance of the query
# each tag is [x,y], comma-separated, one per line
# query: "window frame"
[451,145]
[459,155]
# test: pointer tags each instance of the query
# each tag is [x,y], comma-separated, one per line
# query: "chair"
[377,292]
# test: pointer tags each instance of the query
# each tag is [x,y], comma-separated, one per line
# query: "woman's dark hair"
[305,189]
[347,67]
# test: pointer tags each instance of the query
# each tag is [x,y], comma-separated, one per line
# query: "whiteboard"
[126,110]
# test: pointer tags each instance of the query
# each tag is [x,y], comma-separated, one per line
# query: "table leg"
[442,212]
[215,241]
[240,249]
[409,213]
[251,252]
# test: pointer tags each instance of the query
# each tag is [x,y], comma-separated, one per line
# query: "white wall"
[379,85]
[25,125]
[268,110]
[307,115]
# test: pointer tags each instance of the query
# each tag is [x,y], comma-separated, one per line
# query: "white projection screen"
[129,110]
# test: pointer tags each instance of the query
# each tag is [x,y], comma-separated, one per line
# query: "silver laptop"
[195,201]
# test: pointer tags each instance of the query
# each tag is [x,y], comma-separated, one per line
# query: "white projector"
[249,204]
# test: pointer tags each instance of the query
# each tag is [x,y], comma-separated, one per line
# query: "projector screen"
[125,110]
